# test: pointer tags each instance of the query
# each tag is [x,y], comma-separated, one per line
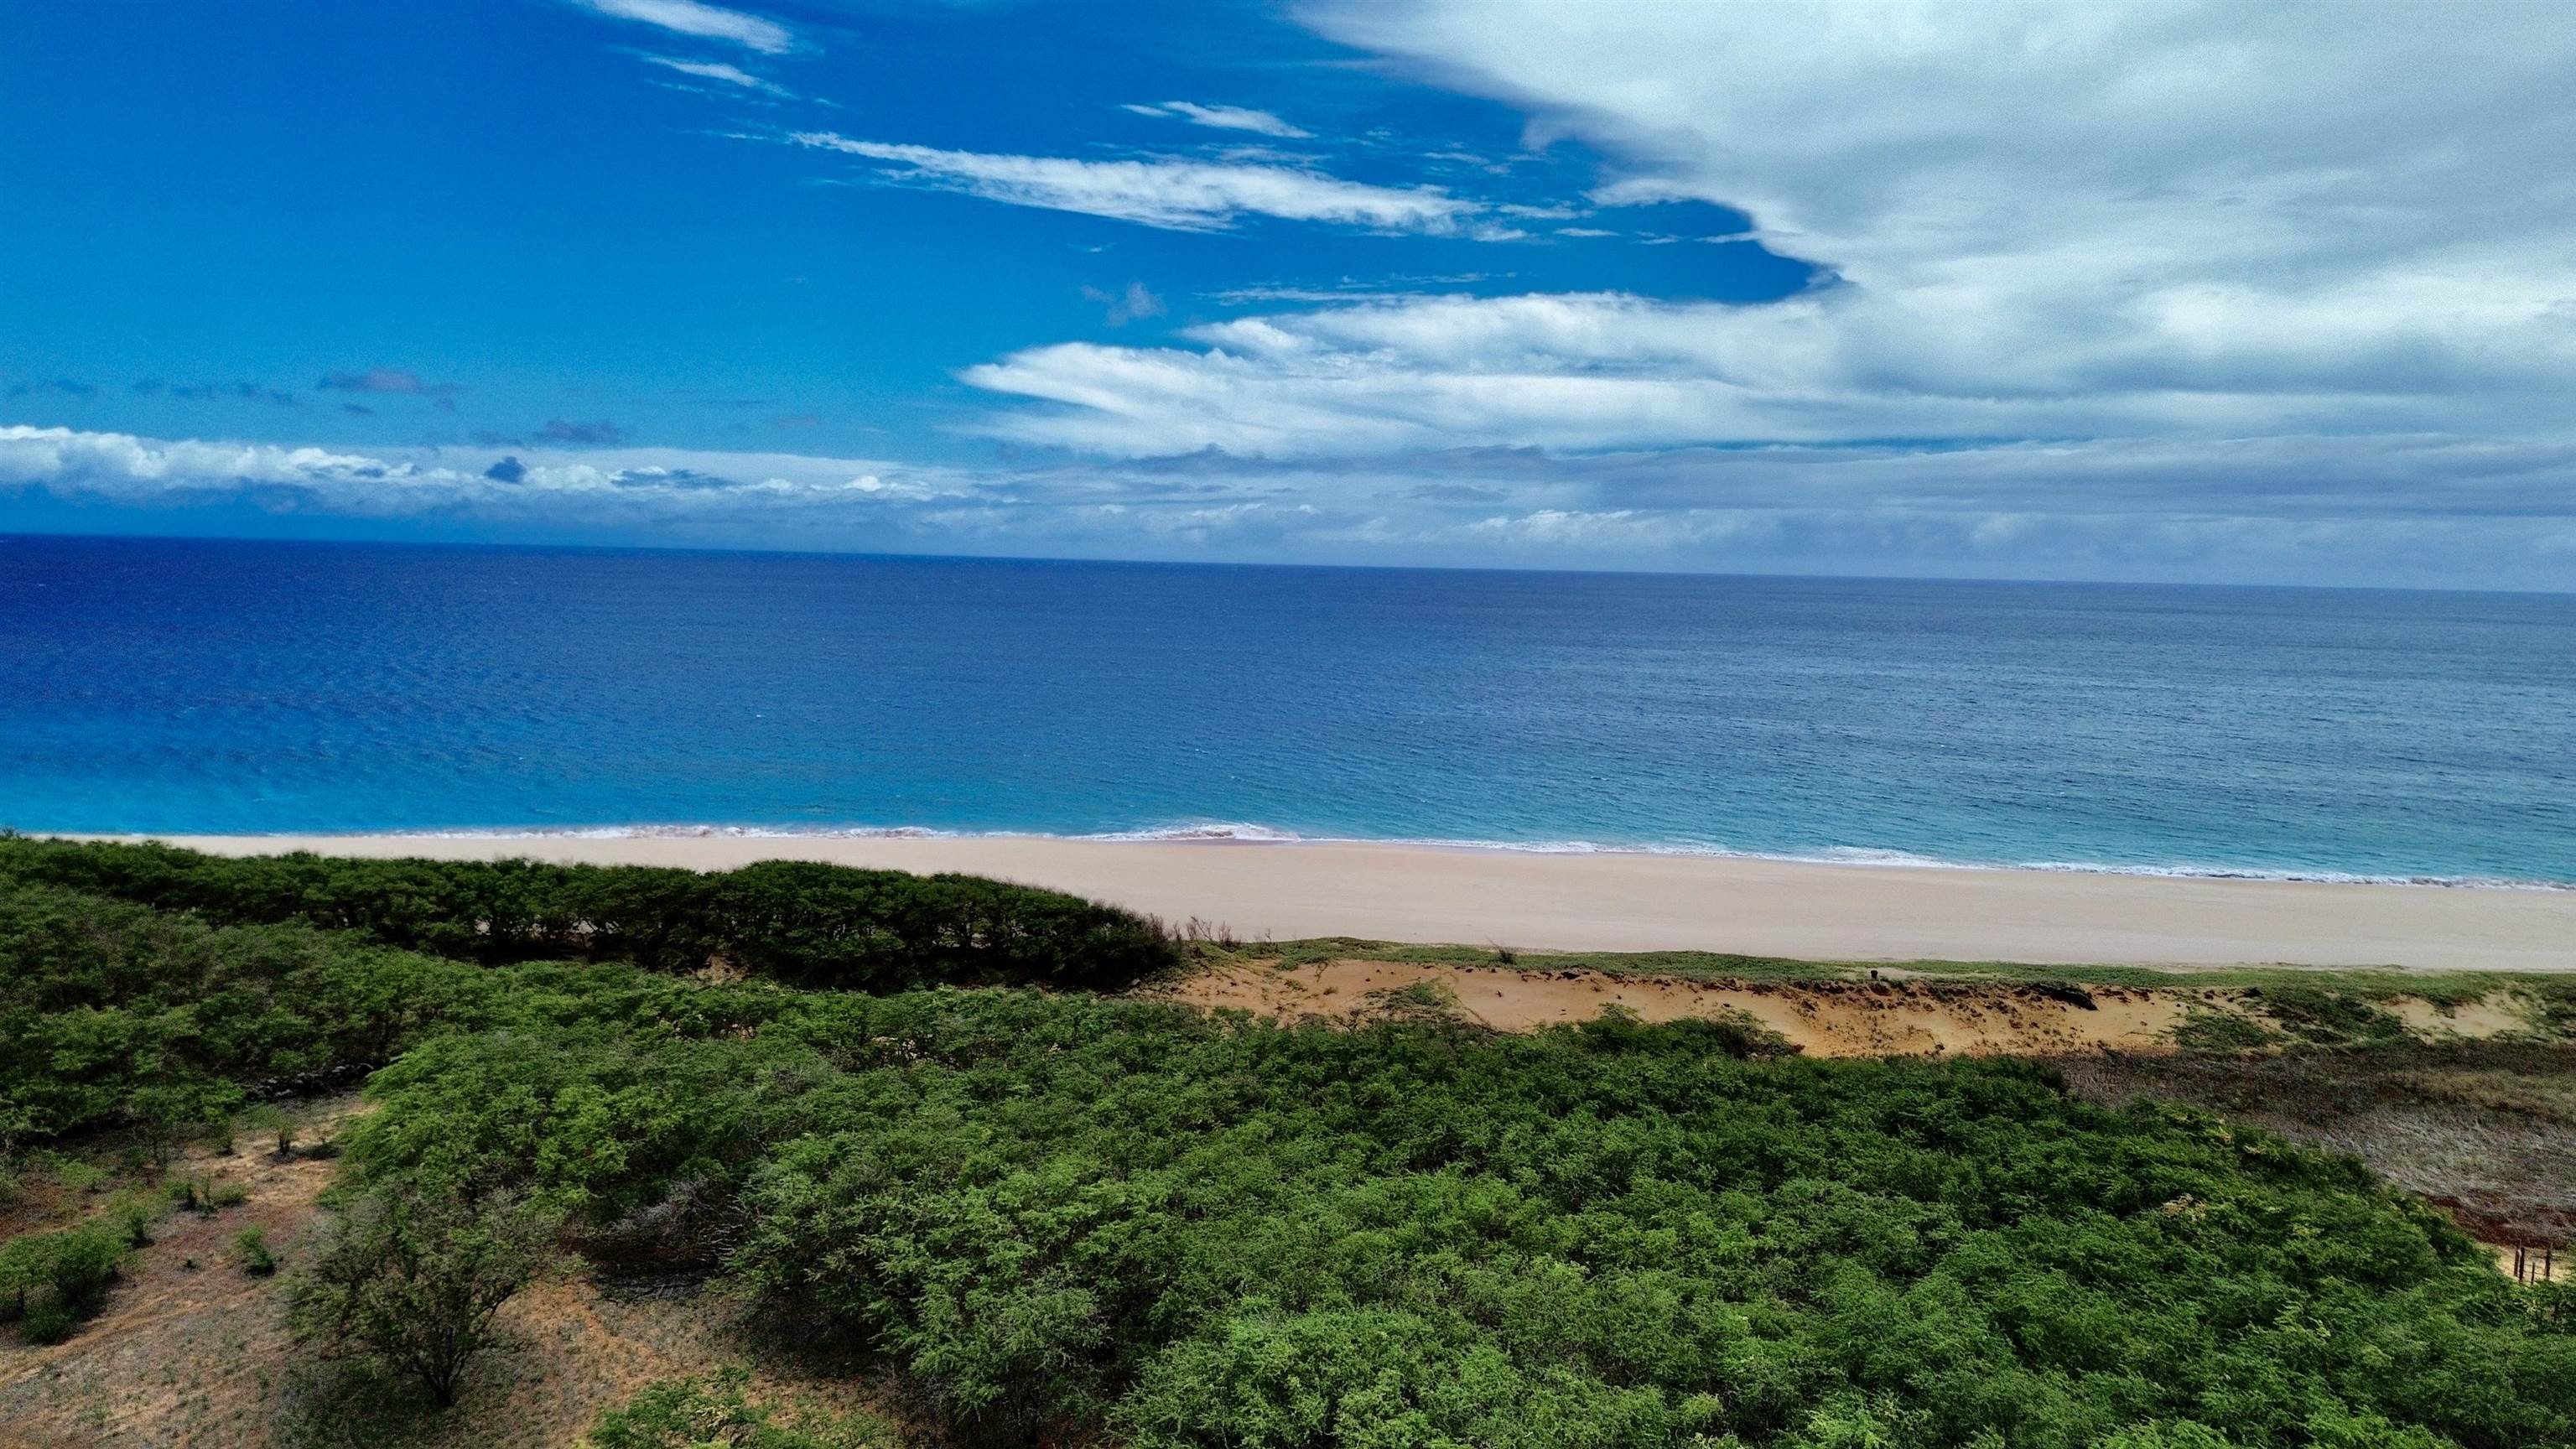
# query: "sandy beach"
[1615,902]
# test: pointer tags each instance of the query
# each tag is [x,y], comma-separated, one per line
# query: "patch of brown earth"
[191,1352]
[1858,1018]
[2533,1265]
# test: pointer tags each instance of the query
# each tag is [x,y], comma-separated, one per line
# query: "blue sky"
[2166,292]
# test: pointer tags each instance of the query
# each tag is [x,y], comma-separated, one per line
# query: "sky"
[2230,293]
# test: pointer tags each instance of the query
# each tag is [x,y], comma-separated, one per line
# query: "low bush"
[49,1282]
[409,1280]
[812,924]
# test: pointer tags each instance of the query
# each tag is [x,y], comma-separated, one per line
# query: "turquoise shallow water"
[224,686]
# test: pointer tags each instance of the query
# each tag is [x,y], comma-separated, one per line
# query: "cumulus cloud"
[2131,218]
[702,22]
[1225,118]
[732,75]
[1175,195]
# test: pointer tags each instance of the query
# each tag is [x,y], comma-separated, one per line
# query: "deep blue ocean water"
[227,686]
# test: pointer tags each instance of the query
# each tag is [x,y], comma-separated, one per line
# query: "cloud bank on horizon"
[2120,291]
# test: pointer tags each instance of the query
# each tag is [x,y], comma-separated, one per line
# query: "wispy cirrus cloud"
[702,22]
[1173,194]
[1224,118]
[732,75]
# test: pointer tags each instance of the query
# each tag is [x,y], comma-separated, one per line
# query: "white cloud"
[2149,219]
[731,75]
[1225,118]
[2290,509]
[123,468]
[1612,370]
[1173,194]
[703,22]
[1135,304]
[2104,222]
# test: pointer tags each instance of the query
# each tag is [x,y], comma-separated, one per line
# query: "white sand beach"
[1620,902]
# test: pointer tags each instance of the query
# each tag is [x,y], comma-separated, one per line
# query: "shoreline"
[1637,901]
[1260,835]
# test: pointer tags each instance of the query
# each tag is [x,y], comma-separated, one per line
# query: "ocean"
[204,686]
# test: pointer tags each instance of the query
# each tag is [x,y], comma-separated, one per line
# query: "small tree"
[168,1114]
[412,1279]
[267,1119]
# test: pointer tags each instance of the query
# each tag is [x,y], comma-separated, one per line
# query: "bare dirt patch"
[2481,1020]
[1858,1018]
[191,1352]
[2486,1131]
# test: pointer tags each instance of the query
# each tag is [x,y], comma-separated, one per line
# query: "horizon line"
[11,535]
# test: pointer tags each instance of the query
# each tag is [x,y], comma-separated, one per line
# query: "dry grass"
[192,1353]
[2487,1130]
[1870,1012]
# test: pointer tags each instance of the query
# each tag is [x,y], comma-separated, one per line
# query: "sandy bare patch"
[192,1353]
[1893,1017]
[2503,1014]
[190,1350]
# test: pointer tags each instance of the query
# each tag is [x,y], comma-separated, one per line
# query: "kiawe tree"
[413,1278]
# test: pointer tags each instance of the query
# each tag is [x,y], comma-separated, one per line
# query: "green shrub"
[813,924]
[2330,1018]
[206,1195]
[132,1212]
[2222,1033]
[251,1249]
[48,1319]
[269,1122]
[112,1014]
[409,1279]
[49,1282]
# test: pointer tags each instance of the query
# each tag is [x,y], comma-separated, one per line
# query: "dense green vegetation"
[1054,1217]
[1052,1213]
[50,1281]
[113,1014]
[815,925]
